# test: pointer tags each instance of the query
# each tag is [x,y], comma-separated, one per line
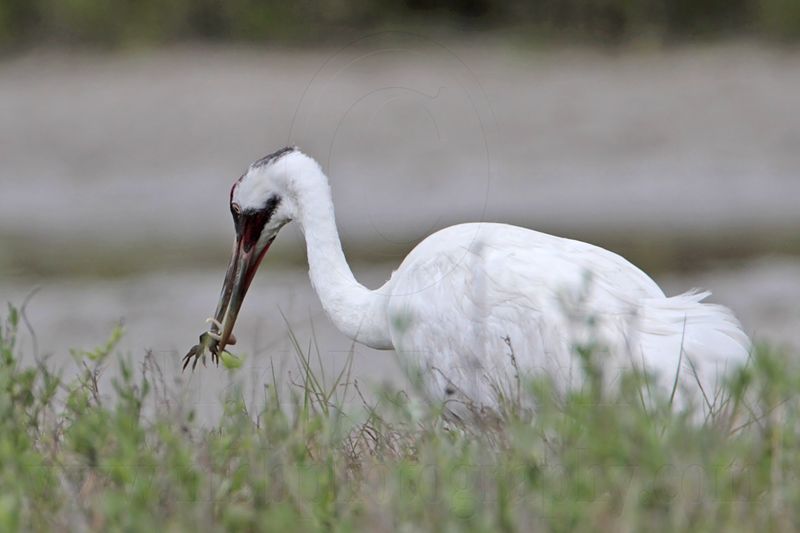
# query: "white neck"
[356,311]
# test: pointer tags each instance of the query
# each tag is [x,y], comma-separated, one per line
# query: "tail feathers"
[701,342]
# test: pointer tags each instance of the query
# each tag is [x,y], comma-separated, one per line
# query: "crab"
[208,345]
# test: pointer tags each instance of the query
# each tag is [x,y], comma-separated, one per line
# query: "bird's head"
[261,203]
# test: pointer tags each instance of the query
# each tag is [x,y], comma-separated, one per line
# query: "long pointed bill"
[243,265]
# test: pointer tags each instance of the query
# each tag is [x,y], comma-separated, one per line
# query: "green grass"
[134,457]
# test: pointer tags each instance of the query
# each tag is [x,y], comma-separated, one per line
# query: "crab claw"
[198,352]
[193,355]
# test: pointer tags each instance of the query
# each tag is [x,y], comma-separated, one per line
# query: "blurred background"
[667,131]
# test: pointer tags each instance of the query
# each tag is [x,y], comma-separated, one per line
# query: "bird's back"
[474,305]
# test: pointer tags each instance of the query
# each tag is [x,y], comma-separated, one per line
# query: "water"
[105,155]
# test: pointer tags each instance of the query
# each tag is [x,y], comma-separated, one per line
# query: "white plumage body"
[473,305]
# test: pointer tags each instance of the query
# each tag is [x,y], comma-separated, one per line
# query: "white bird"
[476,307]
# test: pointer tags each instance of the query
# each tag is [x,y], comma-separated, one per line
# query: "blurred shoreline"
[33,259]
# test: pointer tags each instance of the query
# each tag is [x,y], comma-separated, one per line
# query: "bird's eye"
[236,209]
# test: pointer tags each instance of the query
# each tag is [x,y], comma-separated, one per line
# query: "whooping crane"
[475,304]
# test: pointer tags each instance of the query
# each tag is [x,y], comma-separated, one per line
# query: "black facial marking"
[249,224]
[274,156]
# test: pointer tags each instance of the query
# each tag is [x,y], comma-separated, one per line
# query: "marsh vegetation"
[132,456]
